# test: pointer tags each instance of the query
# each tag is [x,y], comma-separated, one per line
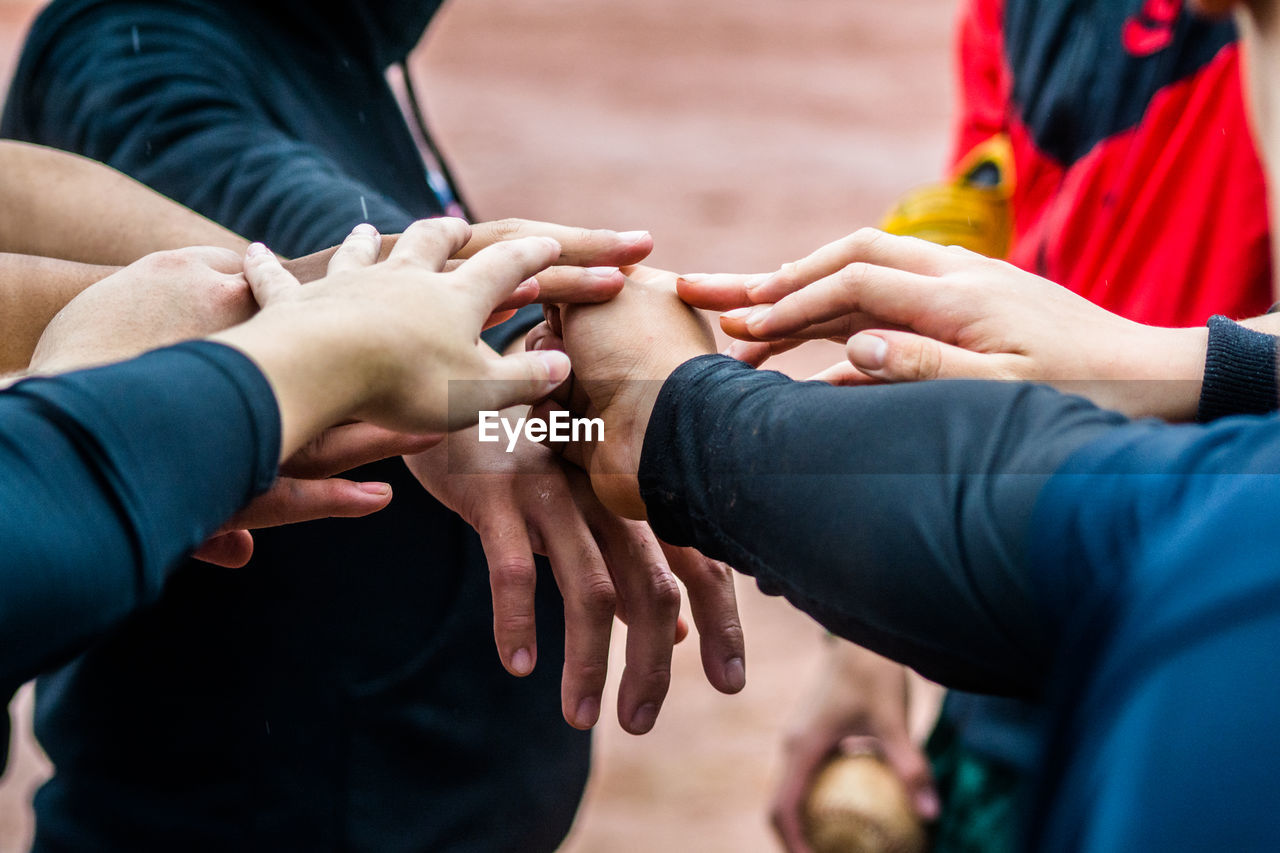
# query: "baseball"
[857,805]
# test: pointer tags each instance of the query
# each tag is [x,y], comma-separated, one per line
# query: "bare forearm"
[32,291]
[60,205]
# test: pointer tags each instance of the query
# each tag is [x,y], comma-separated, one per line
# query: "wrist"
[1175,373]
[319,372]
[1158,374]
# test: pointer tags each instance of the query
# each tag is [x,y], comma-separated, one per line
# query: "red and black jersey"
[1137,181]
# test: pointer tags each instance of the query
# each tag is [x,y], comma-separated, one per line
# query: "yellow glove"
[971,211]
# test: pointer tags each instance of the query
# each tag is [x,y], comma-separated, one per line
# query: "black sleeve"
[169,96]
[108,477]
[897,516]
[1239,372]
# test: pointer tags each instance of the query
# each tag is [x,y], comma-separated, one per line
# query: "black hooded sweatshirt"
[342,692]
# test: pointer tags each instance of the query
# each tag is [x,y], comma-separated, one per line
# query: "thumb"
[909,764]
[266,276]
[905,357]
[524,377]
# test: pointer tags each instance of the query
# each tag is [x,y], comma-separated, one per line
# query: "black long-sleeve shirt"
[342,692]
[915,488]
[1006,537]
[108,477]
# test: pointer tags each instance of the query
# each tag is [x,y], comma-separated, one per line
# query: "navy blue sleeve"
[896,516]
[108,478]
[1156,553]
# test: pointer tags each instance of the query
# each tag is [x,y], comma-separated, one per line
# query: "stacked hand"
[532,502]
[178,295]
[911,310]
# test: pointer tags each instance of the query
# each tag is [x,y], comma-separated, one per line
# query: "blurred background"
[743,134]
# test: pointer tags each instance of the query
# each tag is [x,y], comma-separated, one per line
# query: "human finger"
[590,601]
[867,246]
[714,605]
[513,577]
[494,273]
[269,280]
[359,251]
[230,550]
[290,500]
[803,755]
[893,356]
[503,381]
[909,763]
[756,353]
[649,602]
[888,294]
[430,243]
[581,285]
[842,374]
[579,246]
[736,324]
[349,446]
[718,291]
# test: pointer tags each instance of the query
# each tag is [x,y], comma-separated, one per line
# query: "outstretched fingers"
[865,246]
[853,297]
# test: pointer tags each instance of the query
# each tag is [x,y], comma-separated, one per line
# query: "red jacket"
[1137,182]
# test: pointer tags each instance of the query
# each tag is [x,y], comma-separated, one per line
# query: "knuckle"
[853,277]
[515,623]
[507,228]
[169,261]
[514,574]
[599,597]
[730,633]
[664,592]
[920,361]
[865,238]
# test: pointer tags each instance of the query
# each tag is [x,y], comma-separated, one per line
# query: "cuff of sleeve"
[1239,372]
[260,406]
[662,480]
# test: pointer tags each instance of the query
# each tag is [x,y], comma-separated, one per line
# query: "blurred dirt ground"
[742,133]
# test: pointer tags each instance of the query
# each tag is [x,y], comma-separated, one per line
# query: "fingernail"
[927,804]
[644,718]
[552,242]
[735,350]
[755,281]
[694,278]
[757,315]
[740,313]
[557,364]
[256,250]
[588,713]
[364,229]
[522,663]
[632,236]
[735,674]
[603,272]
[379,489]
[867,352]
